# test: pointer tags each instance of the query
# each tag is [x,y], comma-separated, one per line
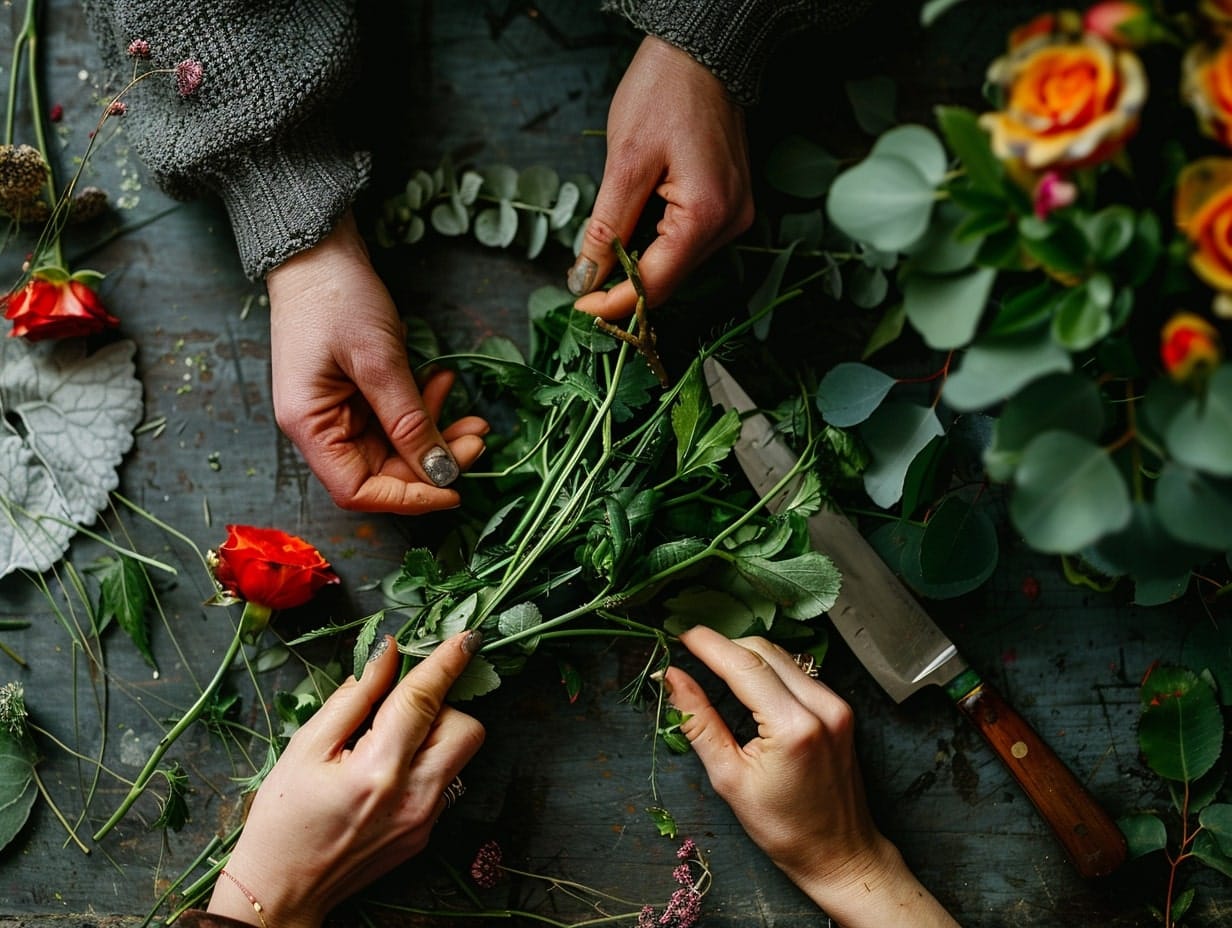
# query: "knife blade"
[905,650]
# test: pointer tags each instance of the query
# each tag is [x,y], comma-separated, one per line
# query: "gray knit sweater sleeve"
[258,131]
[734,38]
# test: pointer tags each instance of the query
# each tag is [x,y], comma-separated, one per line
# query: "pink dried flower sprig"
[139,48]
[683,908]
[189,74]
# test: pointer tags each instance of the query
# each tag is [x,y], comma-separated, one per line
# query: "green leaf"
[850,392]
[894,434]
[806,228]
[867,287]
[933,9]
[769,291]
[500,181]
[800,167]
[992,370]
[942,250]
[450,217]
[124,592]
[17,789]
[1058,402]
[1068,494]
[520,618]
[917,145]
[537,237]
[497,226]
[468,187]
[671,554]
[1110,232]
[947,310]
[1025,310]
[174,811]
[884,200]
[1195,508]
[1055,243]
[363,644]
[715,609]
[1180,731]
[1144,833]
[478,679]
[1207,849]
[962,132]
[538,185]
[803,587]
[1200,433]
[958,550]
[873,100]
[571,679]
[70,418]
[663,821]
[1082,315]
[1209,647]
[566,203]
[1217,820]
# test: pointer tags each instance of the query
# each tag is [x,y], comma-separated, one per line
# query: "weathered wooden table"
[562,786]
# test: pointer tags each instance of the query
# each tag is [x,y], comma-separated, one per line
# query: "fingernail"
[379,647]
[659,676]
[473,641]
[440,466]
[581,277]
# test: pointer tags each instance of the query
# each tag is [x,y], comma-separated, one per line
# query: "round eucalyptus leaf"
[497,225]
[468,187]
[917,145]
[1200,432]
[415,228]
[946,310]
[450,218]
[867,286]
[958,550]
[873,100]
[1057,402]
[993,369]
[806,228]
[424,186]
[850,391]
[800,167]
[1181,728]
[895,433]
[884,200]
[566,202]
[500,181]
[538,185]
[891,539]
[1145,548]
[1069,494]
[941,250]
[1082,316]
[538,236]
[1144,833]
[1156,590]
[1195,507]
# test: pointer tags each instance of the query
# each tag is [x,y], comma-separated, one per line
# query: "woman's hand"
[796,786]
[673,130]
[343,388]
[331,817]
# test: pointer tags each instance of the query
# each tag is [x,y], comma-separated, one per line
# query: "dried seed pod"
[36,211]
[89,203]
[22,173]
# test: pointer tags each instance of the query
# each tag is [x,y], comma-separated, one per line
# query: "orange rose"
[1189,346]
[1206,84]
[1072,100]
[1203,212]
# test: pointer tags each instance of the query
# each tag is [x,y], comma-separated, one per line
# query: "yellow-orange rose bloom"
[1072,100]
[1207,86]
[1203,212]
[1189,347]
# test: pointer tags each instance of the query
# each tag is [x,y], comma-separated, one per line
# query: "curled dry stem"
[644,341]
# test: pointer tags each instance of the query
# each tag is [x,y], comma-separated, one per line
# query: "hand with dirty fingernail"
[343,388]
[693,155]
[356,791]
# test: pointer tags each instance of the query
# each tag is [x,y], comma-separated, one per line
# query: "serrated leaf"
[519,618]
[363,643]
[478,679]
[68,421]
[715,609]
[124,591]
[663,821]
[803,587]
[174,812]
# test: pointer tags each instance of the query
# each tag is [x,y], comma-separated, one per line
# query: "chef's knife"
[905,651]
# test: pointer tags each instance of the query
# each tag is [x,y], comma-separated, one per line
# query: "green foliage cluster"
[1181,737]
[1039,339]
[498,204]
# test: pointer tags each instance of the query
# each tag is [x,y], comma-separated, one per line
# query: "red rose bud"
[54,305]
[1053,191]
[1189,346]
[270,568]
[1119,22]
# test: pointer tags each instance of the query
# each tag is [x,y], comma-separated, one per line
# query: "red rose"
[54,305]
[1189,346]
[270,568]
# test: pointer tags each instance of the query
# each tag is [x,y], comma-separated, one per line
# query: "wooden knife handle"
[1092,840]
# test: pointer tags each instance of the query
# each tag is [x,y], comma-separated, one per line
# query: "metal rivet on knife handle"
[1092,840]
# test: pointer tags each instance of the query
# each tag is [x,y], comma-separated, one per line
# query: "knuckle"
[599,234]
[417,702]
[409,426]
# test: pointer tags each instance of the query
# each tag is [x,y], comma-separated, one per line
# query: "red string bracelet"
[252,900]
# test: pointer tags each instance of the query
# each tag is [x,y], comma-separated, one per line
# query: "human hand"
[343,388]
[330,818]
[796,787]
[673,130]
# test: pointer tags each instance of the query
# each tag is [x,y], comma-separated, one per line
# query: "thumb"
[408,420]
[709,735]
[623,193]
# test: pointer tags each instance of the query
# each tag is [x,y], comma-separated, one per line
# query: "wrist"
[241,896]
[325,265]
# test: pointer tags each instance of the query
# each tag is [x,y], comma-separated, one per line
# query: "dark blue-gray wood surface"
[562,786]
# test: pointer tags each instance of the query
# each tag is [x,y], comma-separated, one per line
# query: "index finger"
[408,713]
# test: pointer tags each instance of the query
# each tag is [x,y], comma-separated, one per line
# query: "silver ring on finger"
[453,792]
[807,663]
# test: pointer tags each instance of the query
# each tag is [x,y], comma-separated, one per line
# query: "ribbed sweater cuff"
[286,196]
